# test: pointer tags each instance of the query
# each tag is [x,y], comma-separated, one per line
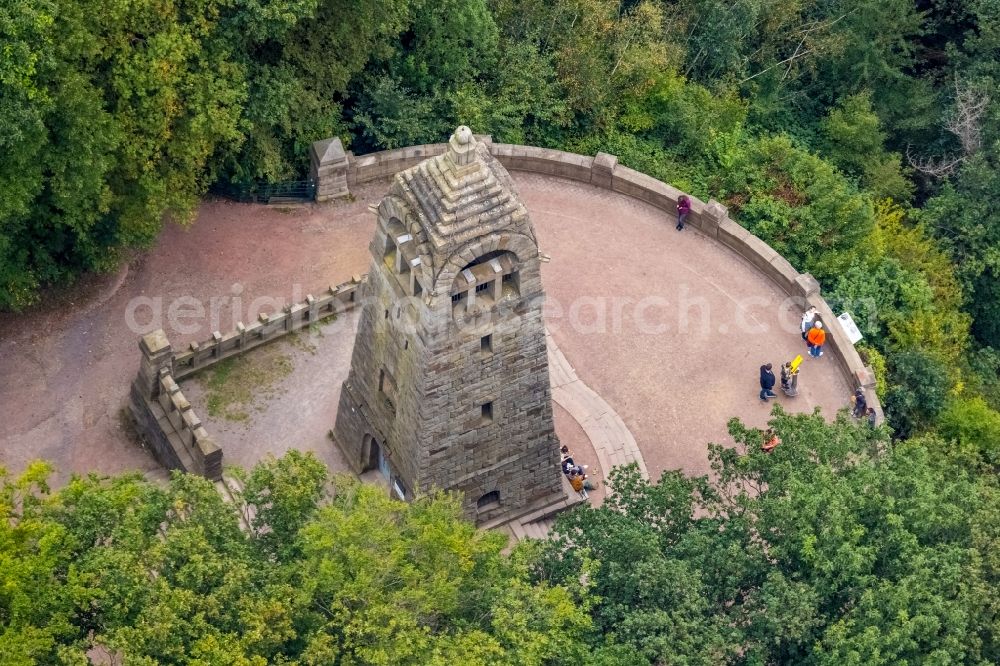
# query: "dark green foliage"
[835,548]
[965,217]
[921,386]
[971,424]
[390,115]
[800,205]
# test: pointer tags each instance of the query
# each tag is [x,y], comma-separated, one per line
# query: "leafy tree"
[919,390]
[299,85]
[800,205]
[167,576]
[520,102]
[904,290]
[394,583]
[280,496]
[607,55]
[36,607]
[835,548]
[971,424]
[964,217]
[855,143]
[120,110]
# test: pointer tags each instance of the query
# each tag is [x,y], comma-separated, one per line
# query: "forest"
[839,547]
[860,138]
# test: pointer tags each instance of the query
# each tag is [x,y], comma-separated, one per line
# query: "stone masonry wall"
[163,416]
[421,373]
[268,327]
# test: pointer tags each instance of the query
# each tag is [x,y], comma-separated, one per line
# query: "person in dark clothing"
[683,210]
[567,460]
[766,383]
[570,467]
[860,404]
[872,417]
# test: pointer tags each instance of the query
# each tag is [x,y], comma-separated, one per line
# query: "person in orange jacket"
[816,339]
[771,441]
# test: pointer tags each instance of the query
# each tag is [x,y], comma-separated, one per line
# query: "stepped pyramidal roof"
[459,196]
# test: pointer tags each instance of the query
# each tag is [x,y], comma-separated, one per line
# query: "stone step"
[229,489]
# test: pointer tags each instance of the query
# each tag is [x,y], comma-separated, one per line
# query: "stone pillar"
[807,285]
[328,168]
[156,355]
[712,217]
[486,140]
[602,169]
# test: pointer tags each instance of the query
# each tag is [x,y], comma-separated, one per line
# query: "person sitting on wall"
[568,465]
[580,482]
[860,404]
[683,210]
[567,459]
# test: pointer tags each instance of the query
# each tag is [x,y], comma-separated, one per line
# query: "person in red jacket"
[683,210]
[816,337]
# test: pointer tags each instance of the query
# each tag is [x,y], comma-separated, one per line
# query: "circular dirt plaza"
[659,335]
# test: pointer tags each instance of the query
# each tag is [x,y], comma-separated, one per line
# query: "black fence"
[289,191]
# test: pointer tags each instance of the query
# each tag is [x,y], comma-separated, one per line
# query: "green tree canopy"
[305,570]
[836,548]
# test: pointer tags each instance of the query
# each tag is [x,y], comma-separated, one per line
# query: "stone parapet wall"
[201,355]
[174,433]
[388,162]
[710,218]
[164,417]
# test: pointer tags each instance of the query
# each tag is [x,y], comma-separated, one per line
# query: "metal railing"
[289,191]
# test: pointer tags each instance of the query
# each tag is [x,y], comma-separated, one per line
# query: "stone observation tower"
[449,381]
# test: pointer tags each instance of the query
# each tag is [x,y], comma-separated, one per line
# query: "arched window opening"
[487,280]
[495,254]
[370,454]
[490,500]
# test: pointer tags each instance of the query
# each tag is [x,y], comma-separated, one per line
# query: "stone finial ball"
[463,134]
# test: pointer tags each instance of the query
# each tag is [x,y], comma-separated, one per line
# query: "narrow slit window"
[486,412]
[511,284]
[486,344]
[387,388]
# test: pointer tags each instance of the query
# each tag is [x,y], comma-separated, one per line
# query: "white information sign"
[847,323]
